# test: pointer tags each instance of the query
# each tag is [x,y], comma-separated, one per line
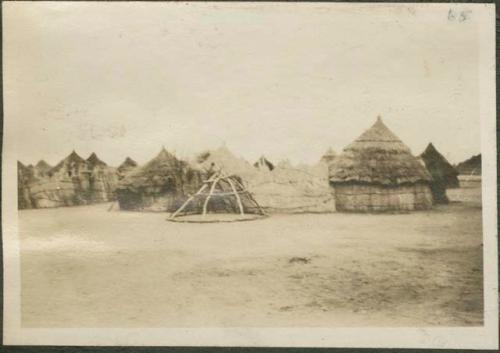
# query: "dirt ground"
[90,267]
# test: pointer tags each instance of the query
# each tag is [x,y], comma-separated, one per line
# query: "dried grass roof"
[437,164]
[72,159]
[158,171]
[471,166]
[94,161]
[127,164]
[43,166]
[378,156]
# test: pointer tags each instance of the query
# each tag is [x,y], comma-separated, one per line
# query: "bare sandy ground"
[87,267]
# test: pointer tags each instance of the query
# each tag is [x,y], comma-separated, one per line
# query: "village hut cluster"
[73,181]
[375,173]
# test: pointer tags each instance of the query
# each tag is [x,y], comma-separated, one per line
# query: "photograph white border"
[485,337]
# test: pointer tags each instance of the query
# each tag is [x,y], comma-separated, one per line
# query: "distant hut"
[222,158]
[73,166]
[102,180]
[67,184]
[95,162]
[378,173]
[128,165]
[263,164]
[471,166]
[159,185]
[329,156]
[442,172]
[42,169]
[25,177]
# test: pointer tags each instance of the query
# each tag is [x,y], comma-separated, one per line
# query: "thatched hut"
[442,172]
[42,169]
[378,173]
[25,177]
[160,185]
[66,184]
[471,166]
[127,165]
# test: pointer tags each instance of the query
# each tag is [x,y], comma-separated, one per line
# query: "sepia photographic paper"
[249,174]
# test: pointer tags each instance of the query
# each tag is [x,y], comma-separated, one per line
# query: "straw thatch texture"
[42,169]
[352,197]
[285,189]
[379,163]
[442,172]
[294,189]
[471,166]
[25,177]
[67,184]
[127,166]
[160,185]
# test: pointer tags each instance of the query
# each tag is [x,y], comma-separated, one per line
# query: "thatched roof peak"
[165,166]
[42,165]
[378,156]
[127,164]
[129,161]
[430,149]
[471,166]
[438,166]
[72,158]
[378,132]
[94,161]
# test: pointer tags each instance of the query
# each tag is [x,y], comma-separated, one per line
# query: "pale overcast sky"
[287,80]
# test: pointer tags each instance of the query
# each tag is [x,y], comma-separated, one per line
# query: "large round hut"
[442,172]
[378,173]
[160,185]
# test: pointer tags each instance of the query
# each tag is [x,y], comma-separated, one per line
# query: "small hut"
[471,166]
[66,184]
[128,165]
[159,185]
[263,164]
[222,198]
[378,173]
[442,172]
[42,169]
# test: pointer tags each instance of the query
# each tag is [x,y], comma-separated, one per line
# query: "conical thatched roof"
[223,159]
[378,156]
[471,166]
[43,166]
[72,159]
[263,164]
[128,164]
[94,161]
[162,169]
[439,168]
